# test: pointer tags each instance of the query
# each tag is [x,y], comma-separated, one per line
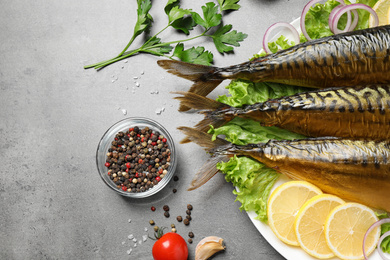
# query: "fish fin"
[203,139]
[205,78]
[213,117]
[198,102]
[207,171]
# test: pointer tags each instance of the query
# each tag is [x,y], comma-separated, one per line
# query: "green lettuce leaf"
[385,245]
[244,92]
[243,131]
[254,182]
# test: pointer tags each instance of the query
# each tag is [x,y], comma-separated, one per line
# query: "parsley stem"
[144,48]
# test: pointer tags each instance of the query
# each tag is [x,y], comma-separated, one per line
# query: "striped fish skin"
[360,112]
[349,59]
[355,170]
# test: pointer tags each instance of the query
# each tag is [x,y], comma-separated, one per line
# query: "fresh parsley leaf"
[226,5]
[196,55]
[224,37]
[144,19]
[177,13]
[170,4]
[211,16]
[184,24]
[178,18]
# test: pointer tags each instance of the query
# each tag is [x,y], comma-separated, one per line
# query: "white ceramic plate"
[288,252]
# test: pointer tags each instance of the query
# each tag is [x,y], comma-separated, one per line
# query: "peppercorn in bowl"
[136,157]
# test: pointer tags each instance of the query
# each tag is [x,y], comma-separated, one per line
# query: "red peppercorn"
[138,135]
[107,164]
[153,208]
[128,165]
[164,140]
[140,161]
[124,188]
[160,171]
[142,139]
[131,129]
[154,143]
[136,174]
[158,178]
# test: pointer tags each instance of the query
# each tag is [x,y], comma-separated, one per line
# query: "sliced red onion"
[381,253]
[373,226]
[304,12]
[348,8]
[331,15]
[295,33]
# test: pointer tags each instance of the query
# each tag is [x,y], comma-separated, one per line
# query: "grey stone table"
[53,204]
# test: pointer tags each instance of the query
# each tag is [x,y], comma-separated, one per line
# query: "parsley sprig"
[184,20]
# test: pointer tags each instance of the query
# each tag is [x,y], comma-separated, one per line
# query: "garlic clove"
[207,247]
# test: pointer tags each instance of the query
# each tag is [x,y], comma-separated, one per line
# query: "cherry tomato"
[170,246]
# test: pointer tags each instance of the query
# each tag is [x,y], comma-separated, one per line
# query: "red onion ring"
[375,225]
[349,26]
[331,15]
[275,26]
[351,7]
[304,12]
[386,234]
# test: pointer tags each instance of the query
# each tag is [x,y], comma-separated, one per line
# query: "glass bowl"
[106,143]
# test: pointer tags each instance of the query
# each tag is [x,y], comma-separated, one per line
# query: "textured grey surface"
[53,114]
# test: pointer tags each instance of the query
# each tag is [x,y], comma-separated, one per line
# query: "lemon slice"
[345,228]
[283,205]
[309,224]
[388,16]
[382,8]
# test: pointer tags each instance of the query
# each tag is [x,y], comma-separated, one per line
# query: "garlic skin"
[207,247]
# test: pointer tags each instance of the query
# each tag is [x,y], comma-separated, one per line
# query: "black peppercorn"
[186,222]
[179,218]
[191,235]
[166,208]
[189,206]
[166,214]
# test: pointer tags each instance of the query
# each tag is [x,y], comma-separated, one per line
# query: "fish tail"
[205,78]
[213,110]
[218,148]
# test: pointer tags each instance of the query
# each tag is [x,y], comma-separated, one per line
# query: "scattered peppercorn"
[189,240]
[188,217]
[166,208]
[166,214]
[186,222]
[189,206]
[191,235]
[188,212]
[151,222]
[131,159]
[174,190]
[175,178]
[153,208]
[173,226]
[179,218]
[156,228]
[173,230]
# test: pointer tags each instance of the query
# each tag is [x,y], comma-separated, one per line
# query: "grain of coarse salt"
[131,236]
[129,251]
[124,111]
[144,238]
[137,84]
